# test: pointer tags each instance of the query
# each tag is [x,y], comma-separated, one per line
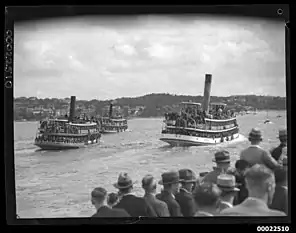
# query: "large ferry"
[69,133]
[195,126]
[111,123]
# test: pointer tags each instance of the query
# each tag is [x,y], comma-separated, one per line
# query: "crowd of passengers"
[190,117]
[43,138]
[255,186]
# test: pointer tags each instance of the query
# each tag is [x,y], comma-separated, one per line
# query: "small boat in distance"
[195,126]
[111,123]
[68,133]
[267,118]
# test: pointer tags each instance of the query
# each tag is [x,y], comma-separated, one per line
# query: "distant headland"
[151,105]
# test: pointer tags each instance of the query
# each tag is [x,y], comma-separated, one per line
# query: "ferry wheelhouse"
[112,124]
[71,133]
[195,126]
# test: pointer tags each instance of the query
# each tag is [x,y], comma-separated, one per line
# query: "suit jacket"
[212,176]
[174,207]
[159,207]
[224,205]
[251,207]
[280,199]
[186,202]
[106,211]
[277,152]
[257,155]
[134,206]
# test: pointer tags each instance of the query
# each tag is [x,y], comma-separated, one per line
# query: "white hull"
[185,140]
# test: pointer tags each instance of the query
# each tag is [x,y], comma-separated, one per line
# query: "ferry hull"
[185,141]
[63,146]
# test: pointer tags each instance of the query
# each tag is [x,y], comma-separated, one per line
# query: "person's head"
[207,196]
[241,166]
[283,136]
[170,182]
[99,197]
[112,199]
[255,136]
[228,186]
[281,176]
[188,179]
[260,182]
[222,159]
[124,183]
[149,184]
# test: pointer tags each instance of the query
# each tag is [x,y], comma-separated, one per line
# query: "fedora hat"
[227,182]
[282,133]
[187,176]
[124,181]
[170,178]
[255,134]
[222,157]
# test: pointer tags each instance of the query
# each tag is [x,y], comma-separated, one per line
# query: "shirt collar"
[127,194]
[257,146]
[257,200]
[185,190]
[227,203]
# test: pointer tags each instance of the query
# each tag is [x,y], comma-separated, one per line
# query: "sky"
[108,58]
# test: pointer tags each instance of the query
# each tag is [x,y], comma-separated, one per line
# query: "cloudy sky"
[106,58]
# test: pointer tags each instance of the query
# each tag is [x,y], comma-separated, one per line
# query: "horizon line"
[134,97]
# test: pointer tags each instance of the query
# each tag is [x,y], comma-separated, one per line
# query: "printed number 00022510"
[273,228]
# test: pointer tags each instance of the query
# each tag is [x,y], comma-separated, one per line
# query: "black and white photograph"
[150,115]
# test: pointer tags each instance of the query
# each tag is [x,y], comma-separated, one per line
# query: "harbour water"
[58,183]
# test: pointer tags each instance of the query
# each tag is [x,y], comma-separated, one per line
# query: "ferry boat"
[112,124]
[195,126]
[70,133]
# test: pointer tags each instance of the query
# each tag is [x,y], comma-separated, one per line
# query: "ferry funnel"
[72,108]
[110,109]
[207,92]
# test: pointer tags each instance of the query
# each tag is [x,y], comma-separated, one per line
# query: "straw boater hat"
[227,182]
[171,177]
[222,157]
[283,133]
[255,134]
[187,176]
[124,181]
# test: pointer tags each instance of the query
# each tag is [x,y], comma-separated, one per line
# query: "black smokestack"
[207,92]
[72,108]
[110,110]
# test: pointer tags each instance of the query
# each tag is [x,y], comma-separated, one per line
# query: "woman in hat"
[255,154]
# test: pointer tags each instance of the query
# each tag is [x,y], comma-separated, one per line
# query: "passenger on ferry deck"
[184,196]
[207,198]
[255,154]
[133,205]
[260,183]
[171,184]
[222,159]
[99,200]
[112,199]
[160,208]
[240,168]
[228,186]
[279,152]
[280,198]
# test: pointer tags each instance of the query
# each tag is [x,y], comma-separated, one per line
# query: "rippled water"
[58,184]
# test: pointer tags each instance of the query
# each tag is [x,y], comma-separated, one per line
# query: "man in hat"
[99,200]
[281,150]
[184,196]
[240,168]
[260,183]
[280,197]
[171,185]
[255,154]
[207,198]
[133,205]
[160,208]
[227,184]
[222,159]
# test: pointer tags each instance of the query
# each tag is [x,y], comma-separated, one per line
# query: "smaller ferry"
[69,133]
[112,124]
